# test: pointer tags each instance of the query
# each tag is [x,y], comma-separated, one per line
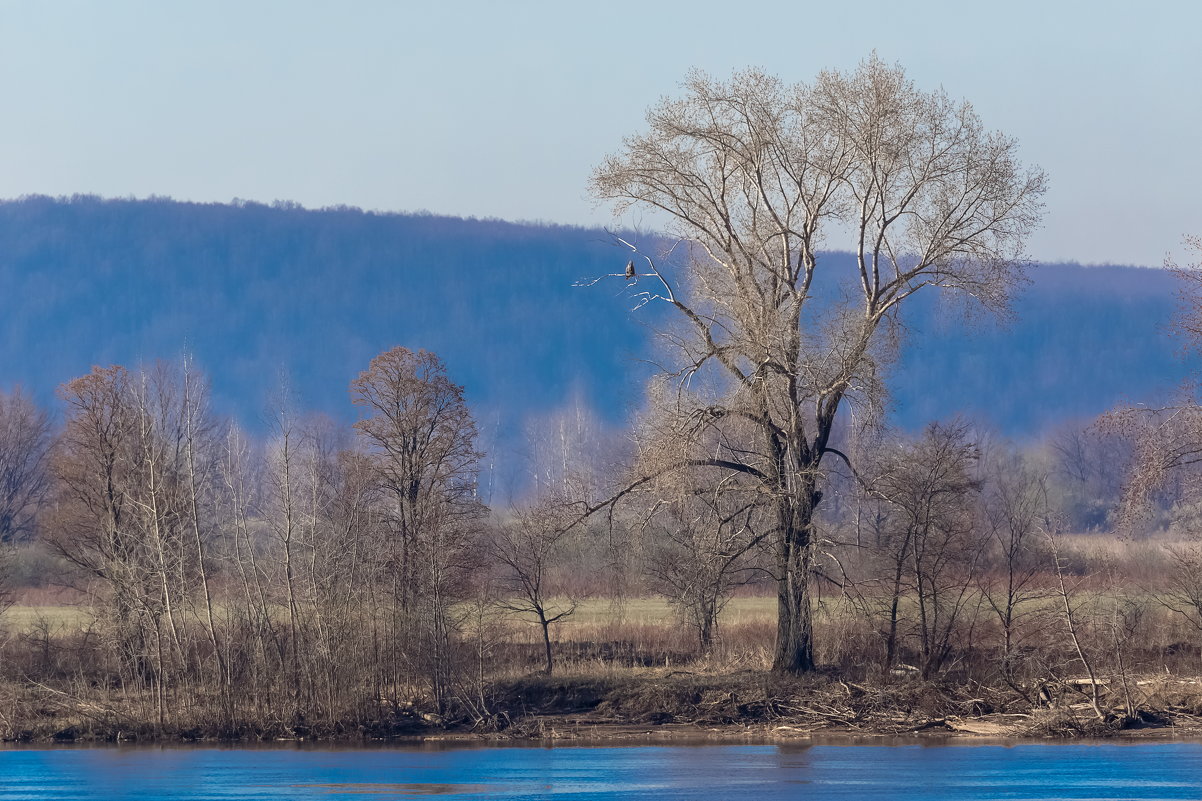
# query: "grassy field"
[23,618]
[590,614]
[657,611]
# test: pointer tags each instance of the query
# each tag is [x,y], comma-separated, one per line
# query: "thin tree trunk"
[1071,623]
[546,626]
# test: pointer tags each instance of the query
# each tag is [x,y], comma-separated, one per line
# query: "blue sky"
[501,109]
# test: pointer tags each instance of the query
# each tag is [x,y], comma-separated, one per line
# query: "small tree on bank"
[1015,513]
[931,489]
[699,556]
[420,438]
[750,174]
[533,550]
[25,439]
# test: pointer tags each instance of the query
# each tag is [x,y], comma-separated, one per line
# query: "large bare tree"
[750,175]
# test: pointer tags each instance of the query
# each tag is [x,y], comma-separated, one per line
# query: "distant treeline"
[267,296]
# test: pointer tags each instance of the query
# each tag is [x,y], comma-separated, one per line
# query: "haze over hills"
[255,292]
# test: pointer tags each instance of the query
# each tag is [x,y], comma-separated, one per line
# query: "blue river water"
[664,773]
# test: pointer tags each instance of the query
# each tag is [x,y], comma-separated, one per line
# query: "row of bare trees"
[298,576]
[320,574]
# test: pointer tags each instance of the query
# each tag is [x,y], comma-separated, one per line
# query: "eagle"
[630,269]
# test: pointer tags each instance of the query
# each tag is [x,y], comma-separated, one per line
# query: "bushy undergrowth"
[65,682]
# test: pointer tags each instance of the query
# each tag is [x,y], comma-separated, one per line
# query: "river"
[703,772]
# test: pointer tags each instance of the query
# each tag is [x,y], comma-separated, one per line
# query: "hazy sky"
[501,109]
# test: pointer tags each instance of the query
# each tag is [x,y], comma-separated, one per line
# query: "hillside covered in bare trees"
[263,296]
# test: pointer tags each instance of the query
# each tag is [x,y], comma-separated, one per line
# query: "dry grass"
[590,616]
[635,662]
[658,612]
[23,618]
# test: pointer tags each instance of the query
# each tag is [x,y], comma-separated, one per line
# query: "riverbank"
[677,706]
[767,707]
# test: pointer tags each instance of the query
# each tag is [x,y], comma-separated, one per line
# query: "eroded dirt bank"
[680,706]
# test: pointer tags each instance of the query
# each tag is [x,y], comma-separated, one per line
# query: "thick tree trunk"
[794,629]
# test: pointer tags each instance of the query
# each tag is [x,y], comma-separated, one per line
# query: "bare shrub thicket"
[310,577]
[912,573]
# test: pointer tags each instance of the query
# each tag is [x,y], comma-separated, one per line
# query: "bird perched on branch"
[630,269]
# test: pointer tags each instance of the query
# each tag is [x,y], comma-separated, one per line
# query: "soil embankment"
[681,706]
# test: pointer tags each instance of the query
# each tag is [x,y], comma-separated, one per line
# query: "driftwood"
[1051,691]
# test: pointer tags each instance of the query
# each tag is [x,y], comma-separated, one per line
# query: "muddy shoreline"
[570,732]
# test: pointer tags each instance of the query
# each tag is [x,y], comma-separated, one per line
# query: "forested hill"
[1080,340]
[255,291]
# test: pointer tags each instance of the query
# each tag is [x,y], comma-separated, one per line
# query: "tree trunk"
[794,629]
[709,617]
[895,601]
[542,619]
